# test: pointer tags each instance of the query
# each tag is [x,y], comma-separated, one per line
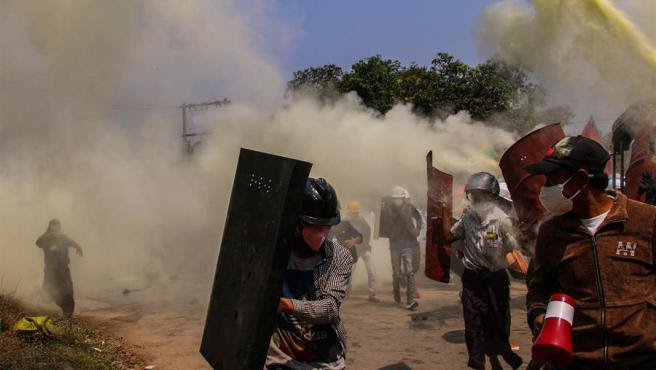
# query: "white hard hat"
[399,192]
[504,192]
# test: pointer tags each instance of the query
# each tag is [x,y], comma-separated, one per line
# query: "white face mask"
[482,208]
[554,201]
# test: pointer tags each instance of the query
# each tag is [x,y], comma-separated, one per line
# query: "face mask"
[482,209]
[398,202]
[314,236]
[554,201]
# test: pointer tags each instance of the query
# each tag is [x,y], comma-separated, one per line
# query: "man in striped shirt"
[309,332]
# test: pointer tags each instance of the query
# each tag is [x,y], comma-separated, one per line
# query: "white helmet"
[504,192]
[399,192]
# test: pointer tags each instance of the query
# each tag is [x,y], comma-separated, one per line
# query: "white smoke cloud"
[363,154]
[89,125]
[89,132]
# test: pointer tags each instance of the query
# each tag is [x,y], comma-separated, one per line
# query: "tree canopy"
[494,92]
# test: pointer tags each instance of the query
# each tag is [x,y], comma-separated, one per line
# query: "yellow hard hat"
[353,206]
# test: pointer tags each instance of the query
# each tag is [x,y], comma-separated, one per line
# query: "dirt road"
[381,335]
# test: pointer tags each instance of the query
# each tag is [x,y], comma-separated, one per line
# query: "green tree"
[375,80]
[321,81]
[418,87]
[453,82]
[494,92]
[496,87]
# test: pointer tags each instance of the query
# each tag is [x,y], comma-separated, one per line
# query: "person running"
[57,281]
[488,246]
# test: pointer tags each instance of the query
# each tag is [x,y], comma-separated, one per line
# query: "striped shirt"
[331,278]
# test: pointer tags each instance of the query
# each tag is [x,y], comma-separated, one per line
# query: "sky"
[342,32]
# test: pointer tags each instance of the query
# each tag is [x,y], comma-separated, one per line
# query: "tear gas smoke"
[361,155]
[89,129]
[588,54]
[89,134]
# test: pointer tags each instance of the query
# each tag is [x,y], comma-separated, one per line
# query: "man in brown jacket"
[598,248]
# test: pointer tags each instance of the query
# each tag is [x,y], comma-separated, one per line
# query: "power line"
[141,107]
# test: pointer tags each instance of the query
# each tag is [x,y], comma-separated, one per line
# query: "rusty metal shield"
[591,131]
[641,162]
[525,188]
[262,217]
[633,130]
[438,220]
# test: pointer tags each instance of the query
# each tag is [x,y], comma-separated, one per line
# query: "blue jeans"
[403,257]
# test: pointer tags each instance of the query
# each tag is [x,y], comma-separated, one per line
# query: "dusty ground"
[383,334]
[380,335]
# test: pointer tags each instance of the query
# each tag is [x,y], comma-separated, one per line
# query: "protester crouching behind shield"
[363,246]
[599,249]
[346,235]
[405,226]
[488,244]
[57,281]
[309,332]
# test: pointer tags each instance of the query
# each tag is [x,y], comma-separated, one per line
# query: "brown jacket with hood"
[612,277]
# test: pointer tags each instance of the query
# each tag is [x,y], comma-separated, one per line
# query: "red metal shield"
[634,130]
[525,188]
[440,214]
[591,131]
[641,162]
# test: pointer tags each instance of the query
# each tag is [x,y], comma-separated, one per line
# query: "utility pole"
[187,135]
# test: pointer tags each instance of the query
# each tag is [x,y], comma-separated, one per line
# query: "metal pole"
[185,140]
[622,166]
[614,169]
[186,134]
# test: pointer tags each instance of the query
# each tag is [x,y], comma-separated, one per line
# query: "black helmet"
[320,205]
[483,181]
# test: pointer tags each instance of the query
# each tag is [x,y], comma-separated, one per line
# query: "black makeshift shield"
[259,229]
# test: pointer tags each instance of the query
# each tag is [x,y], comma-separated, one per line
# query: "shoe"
[514,347]
[373,299]
[412,305]
[515,362]
[495,364]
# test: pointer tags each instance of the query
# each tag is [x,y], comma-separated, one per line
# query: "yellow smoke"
[587,53]
[616,22]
